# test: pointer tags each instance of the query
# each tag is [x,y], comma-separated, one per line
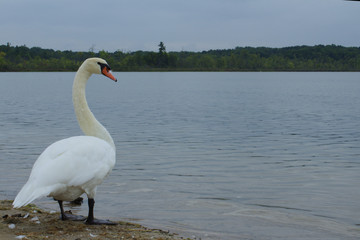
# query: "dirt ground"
[31,222]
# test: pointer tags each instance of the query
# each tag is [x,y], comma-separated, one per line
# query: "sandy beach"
[31,222]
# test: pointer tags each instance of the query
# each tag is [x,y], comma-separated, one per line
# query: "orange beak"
[107,73]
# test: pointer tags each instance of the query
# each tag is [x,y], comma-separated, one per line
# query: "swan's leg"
[62,210]
[68,216]
[91,220]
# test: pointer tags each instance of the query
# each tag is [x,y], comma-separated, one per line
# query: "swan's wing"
[74,161]
[81,162]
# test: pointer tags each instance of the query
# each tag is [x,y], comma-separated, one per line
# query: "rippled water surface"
[210,155]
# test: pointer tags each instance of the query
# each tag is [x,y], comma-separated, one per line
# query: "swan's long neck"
[86,119]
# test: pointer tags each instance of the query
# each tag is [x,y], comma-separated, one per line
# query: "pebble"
[12,226]
[20,237]
[35,219]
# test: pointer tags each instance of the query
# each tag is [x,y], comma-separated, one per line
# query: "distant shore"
[322,58]
[31,222]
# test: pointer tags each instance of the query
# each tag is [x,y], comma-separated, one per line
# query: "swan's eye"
[104,67]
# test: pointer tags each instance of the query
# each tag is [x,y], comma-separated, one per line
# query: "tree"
[162,48]
[3,62]
[163,59]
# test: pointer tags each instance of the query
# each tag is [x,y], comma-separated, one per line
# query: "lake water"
[207,155]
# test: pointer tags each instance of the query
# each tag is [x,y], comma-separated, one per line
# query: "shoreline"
[31,222]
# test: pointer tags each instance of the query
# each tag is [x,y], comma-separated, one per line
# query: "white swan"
[76,165]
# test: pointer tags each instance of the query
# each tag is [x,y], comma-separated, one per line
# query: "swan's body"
[67,169]
[76,165]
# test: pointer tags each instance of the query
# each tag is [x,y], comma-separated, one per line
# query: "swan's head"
[98,66]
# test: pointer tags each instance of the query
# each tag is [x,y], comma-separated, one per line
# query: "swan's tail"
[28,194]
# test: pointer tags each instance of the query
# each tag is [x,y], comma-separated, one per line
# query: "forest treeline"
[297,58]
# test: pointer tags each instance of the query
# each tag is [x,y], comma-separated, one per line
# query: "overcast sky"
[190,25]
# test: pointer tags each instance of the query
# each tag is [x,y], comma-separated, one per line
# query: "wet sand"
[30,222]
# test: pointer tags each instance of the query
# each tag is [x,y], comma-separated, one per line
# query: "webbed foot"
[72,217]
[100,222]
[91,220]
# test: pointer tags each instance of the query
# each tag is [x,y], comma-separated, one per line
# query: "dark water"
[211,155]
